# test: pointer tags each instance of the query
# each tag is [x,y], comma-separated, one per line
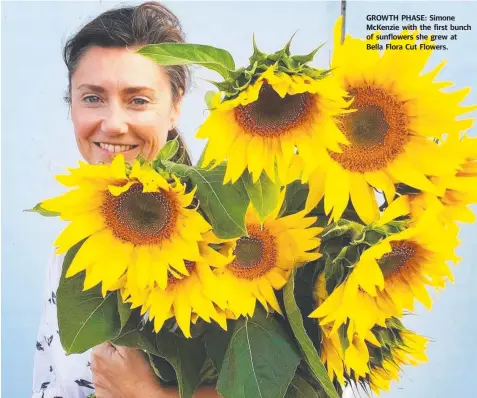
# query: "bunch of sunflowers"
[324,206]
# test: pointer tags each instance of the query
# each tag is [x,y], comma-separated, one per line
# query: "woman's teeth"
[116,148]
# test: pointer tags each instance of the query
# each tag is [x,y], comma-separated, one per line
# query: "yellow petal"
[76,231]
[363,198]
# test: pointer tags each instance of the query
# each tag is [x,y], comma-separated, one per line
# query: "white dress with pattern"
[55,374]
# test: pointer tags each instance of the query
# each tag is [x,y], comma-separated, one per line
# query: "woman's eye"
[140,101]
[91,99]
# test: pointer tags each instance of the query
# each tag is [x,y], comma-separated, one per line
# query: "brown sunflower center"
[378,131]
[172,280]
[368,125]
[392,262]
[249,252]
[140,218]
[255,254]
[271,115]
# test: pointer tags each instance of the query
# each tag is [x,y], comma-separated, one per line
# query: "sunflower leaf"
[216,342]
[303,59]
[286,49]
[224,205]
[260,361]
[295,197]
[300,388]
[257,55]
[162,369]
[85,318]
[222,86]
[213,58]
[42,211]
[263,194]
[168,151]
[209,95]
[124,310]
[296,322]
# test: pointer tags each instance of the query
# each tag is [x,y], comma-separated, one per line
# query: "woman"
[121,102]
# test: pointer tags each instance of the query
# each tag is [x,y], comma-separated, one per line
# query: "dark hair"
[148,23]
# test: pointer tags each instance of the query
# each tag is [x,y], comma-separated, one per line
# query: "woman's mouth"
[114,148]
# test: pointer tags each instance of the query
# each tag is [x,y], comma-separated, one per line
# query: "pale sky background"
[37,142]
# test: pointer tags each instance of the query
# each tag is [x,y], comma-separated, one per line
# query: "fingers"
[102,352]
[120,350]
[103,347]
[128,353]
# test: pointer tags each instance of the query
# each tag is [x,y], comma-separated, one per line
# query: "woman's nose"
[114,122]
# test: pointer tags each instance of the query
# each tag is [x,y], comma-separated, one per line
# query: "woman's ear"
[176,109]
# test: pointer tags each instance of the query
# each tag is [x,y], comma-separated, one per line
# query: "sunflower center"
[140,217]
[271,115]
[255,254]
[368,125]
[249,252]
[395,260]
[378,131]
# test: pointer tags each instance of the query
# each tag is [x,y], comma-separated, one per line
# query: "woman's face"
[121,102]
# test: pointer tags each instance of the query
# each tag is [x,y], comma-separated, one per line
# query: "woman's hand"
[121,372]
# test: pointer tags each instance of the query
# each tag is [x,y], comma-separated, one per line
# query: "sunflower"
[389,276]
[264,123]
[263,259]
[375,360]
[458,191]
[187,297]
[137,225]
[411,350]
[399,113]
[341,362]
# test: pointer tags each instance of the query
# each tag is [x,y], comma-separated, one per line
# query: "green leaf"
[124,310]
[209,95]
[342,227]
[286,49]
[303,59]
[300,388]
[42,211]
[260,361]
[208,373]
[216,343]
[343,337]
[263,194]
[224,205]
[295,197]
[162,369]
[296,322]
[168,151]
[186,356]
[85,318]
[257,55]
[213,58]
[201,158]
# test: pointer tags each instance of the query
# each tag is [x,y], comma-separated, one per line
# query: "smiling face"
[121,102]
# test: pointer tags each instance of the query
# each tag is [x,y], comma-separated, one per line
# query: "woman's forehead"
[118,68]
